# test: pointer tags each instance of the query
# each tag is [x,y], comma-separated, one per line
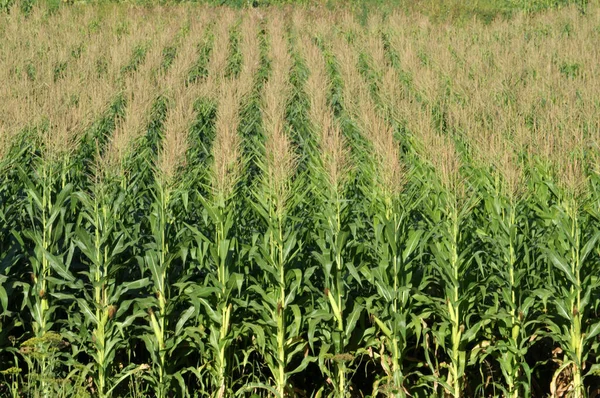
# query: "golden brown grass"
[217,64]
[518,93]
[361,104]
[140,90]
[226,151]
[280,159]
[332,145]
[518,89]
[180,116]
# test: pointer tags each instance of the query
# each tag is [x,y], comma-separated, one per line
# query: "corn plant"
[334,243]
[105,303]
[448,212]
[335,316]
[47,198]
[219,243]
[156,195]
[280,316]
[510,259]
[220,287]
[159,262]
[47,210]
[397,278]
[276,195]
[570,249]
[10,243]
[451,262]
[397,239]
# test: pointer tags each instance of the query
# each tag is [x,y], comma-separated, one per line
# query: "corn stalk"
[333,251]
[160,255]
[47,202]
[398,280]
[280,317]
[511,264]
[451,248]
[570,250]
[105,302]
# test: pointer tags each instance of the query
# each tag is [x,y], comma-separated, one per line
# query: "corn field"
[282,202]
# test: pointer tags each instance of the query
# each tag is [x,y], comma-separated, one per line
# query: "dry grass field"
[201,201]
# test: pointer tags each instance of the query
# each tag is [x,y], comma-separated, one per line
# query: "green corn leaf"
[133,285]
[352,269]
[590,245]
[336,310]
[383,327]
[88,311]
[3,294]
[184,317]
[562,265]
[593,332]
[414,238]
[594,370]
[353,318]
[59,267]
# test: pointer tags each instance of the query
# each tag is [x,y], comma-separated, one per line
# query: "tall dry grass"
[502,83]
[371,118]
[280,161]
[217,65]
[227,166]
[183,96]
[139,90]
[332,145]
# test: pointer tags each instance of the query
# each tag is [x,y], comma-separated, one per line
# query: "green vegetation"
[451,10]
[294,201]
